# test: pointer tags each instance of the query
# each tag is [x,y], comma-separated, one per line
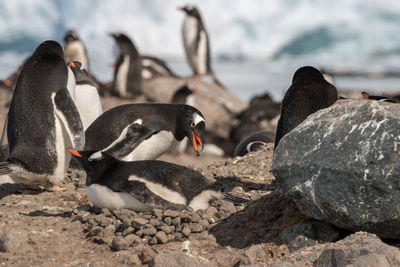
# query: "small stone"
[12,240]
[204,223]
[149,231]
[178,236]
[158,213]
[228,207]
[102,220]
[220,214]
[167,229]
[147,255]
[128,259]
[83,216]
[170,237]
[211,220]
[176,221]
[128,231]
[155,222]
[110,228]
[186,231]
[124,213]
[171,213]
[196,228]
[178,228]
[138,222]
[97,230]
[127,222]
[153,241]
[119,226]
[147,216]
[195,218]
[119,243]
[161,237]
[168,220]
[209,213]
[106,212]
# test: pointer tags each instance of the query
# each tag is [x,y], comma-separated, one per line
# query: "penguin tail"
[234,199]
[216,81]
[4,168]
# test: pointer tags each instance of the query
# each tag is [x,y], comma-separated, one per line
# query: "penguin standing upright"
[74,49]
[196,43]
[308,93]
[128,68]
[43,119]
[145,185]
[144,131]
[87,99]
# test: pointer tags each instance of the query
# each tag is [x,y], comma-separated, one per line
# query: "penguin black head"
[71,36]
[49,47]
[94,162]
[190,10]
[80,73]
[308,71]
[191,123]
[124,42]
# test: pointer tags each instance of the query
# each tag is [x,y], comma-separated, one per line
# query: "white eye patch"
[96,156]
[197,119]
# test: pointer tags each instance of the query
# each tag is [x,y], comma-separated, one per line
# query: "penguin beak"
[196,139]
[180,8]
[365,95]
[111,64]
[72,64]
[74,153]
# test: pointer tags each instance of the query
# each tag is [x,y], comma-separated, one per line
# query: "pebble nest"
[124,228]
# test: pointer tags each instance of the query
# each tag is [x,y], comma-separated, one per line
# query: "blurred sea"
[256,45]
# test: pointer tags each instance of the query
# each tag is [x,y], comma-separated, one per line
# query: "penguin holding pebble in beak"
[145,185]
[43,120]
[145,131]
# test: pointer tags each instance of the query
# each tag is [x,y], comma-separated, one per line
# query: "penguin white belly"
[103,197]
[189,38]
[88,104]
[122,76]
[161,191]
[202,54]
[71,84]
[202,200]
[152,147]
[76,51]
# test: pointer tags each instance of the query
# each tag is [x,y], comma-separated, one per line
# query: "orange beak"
[73,65]
[74,153]
[112,64]
[365,95]
[179,8]
[7,82]
[196,139]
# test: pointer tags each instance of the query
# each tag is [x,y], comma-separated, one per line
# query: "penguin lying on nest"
[145,185]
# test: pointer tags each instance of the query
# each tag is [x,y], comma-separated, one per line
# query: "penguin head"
[94,162]
[190,10]
[80,73]
[71,36]
[307,72]
[191,123]
[124,43]
[49,47]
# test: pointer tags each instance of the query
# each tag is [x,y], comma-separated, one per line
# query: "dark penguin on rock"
[253,142]
[74,49]
[144,131]
[128,68]
[153,67]
[43,119]
[87,99]
[308,93]
[196,43]
[145,185]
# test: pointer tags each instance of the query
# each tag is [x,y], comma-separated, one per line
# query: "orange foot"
[55,188]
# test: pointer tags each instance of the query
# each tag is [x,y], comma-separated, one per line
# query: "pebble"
[128,231]
[149,231]
[196,228]
[106,212]
[209,213]
[167,229]
[176,221]
[153,241]
[171,213]
[147,255]
[228,207]
[139,222]
[155,222]
[161,237]
[158,213]
[186,231]
[168,220]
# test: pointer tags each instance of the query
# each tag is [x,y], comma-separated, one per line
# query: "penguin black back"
[308,93]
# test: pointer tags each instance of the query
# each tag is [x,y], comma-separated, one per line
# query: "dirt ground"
[40,228]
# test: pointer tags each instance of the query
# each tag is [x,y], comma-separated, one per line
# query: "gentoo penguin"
[74,49]
[43,119]
[154,67]
[128,69]
[196,43]
[393,99]
[308,93]
[253,142]
[144,131]
[87,99]
[145,185]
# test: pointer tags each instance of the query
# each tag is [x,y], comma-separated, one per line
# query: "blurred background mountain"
[256,45]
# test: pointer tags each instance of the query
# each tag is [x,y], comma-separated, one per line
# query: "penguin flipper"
[67,112]
[130,138]
[146,194]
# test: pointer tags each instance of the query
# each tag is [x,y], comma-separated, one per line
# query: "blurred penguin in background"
[74,49]
[128,68]
[196,43]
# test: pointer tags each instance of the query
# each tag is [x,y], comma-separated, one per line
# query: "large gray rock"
[342,166]
[360,249]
